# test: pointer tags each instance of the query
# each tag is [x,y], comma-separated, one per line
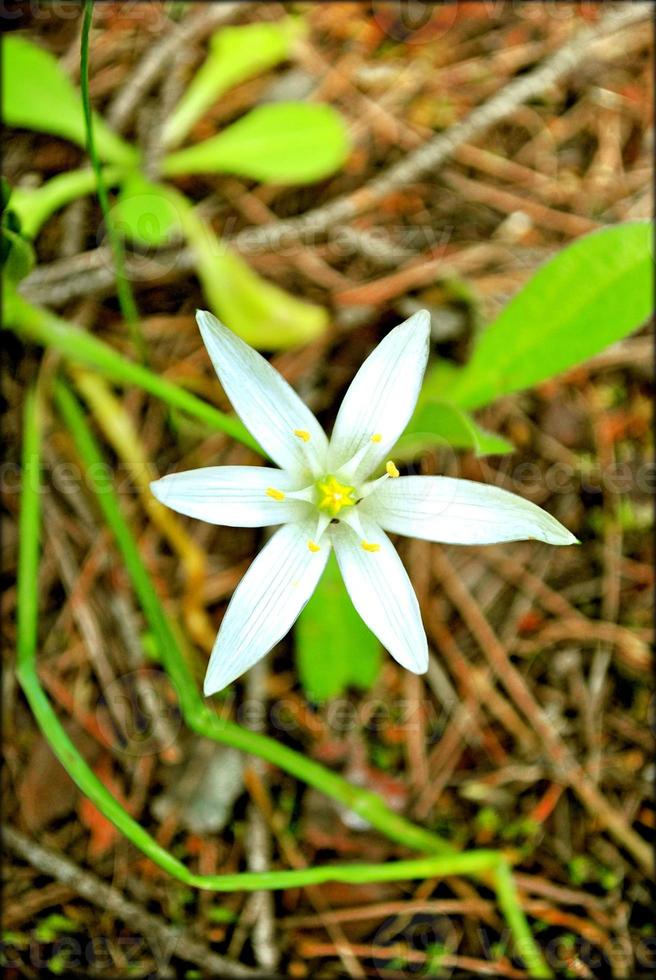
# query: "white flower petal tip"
[381,398]
[267,405]
[451,511]
[266,603]
[382,592]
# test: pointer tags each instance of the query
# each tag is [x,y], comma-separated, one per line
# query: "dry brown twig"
[166,941]
[565,764]
[428,157]
[90,272]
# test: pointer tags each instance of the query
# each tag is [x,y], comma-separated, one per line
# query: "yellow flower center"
[334,496]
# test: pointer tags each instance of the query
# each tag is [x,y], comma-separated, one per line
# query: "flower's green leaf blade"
[590,295]
[5,193]
[17,256]
[236,54]
[16,253]
[286,143]
[441,422]
[144,212]
[36,94]
[334,648]
[262,314]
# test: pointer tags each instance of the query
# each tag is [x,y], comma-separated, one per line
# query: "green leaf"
[236,53]
[36,94]
[442,422]
[590,295]
[334,648]
[17,256]
[34,205]
[262,314]
[5,193]
[285,143]
[144,212]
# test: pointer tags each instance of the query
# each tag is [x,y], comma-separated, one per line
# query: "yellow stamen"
[334,496]
[369,546]
[302,434]
[276,494]
[313,546]
[376,437]
[391,469]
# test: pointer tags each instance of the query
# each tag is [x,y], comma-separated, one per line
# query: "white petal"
[267,405]
[440,508]
[382,593]
[266,603]
[382,396]
[235,496]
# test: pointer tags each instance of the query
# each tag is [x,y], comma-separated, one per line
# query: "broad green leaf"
[285,143]
[236,54]
[593,293]
[144,212]
[262,314]
[36,94]
[437,422]
[334,648]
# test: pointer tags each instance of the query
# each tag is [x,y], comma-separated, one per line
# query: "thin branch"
[166,941]
[428,157]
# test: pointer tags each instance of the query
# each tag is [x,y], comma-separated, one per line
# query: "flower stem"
[124,289]
[196,711]
[474,863]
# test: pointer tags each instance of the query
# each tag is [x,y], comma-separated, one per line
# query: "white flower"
[324,496]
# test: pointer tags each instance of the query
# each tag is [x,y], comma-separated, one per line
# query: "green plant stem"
[124,289]
[197,713]
[509,904]
[476,863]
[34,207]
[37,325]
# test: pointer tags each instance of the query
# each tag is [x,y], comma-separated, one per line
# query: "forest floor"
[513,629]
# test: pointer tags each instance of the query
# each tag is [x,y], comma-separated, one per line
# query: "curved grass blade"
[40,326]
[471,863]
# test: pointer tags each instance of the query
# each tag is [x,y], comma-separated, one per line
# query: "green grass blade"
[126,298]
[197,712]
[40,326]
[66,750]
[471,863]
[525,945]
